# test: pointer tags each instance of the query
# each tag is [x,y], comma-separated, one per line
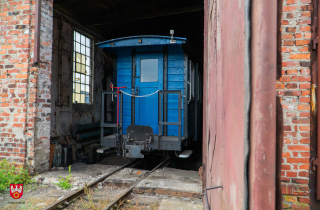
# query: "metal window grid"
[82,71]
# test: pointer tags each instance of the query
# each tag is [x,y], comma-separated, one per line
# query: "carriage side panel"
[124,74]
[175,82]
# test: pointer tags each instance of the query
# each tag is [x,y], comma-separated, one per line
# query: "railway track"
[65,202]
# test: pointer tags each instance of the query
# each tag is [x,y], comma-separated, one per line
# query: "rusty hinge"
[314,163]
[315,41]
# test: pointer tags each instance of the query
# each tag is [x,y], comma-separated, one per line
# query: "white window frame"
[82,68]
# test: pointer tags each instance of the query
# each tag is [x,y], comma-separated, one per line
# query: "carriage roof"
[142,40]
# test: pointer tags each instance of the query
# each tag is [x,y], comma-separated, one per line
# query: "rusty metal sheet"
[231,59]
[226,93]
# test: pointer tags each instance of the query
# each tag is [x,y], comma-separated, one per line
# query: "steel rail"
[67,200]
[115,203]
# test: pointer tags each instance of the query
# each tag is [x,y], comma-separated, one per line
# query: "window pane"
[77,77]
[83,69]
[74,97]
[77,47]
[78,67]
[87,51]
[77,88]
[77,37]
[87,80]
[88,42]
[83,39]
[83,59]
[78,57]
[87,99]
[149,70]
[87,89]
[83,78]
[83,49]
[88,72]
[83,88]
[83,97]
[88,62]
[77,98]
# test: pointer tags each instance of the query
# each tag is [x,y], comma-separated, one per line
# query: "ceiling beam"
[134,8]
[150,15]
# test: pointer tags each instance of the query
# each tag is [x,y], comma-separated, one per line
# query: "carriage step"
[103,150]
[185,154]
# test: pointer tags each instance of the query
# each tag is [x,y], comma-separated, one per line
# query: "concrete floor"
[172,181]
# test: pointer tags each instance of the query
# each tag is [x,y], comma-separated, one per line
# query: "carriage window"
[149,70]
[82,69]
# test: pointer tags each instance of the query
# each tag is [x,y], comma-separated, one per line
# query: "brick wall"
[24,89]
[294,88]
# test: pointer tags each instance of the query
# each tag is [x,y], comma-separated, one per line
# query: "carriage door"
[149,79]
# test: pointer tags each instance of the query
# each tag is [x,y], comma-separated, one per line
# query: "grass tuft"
[10,174]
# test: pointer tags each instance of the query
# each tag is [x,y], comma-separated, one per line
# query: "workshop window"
[82,68]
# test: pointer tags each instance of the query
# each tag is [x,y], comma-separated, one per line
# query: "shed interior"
[77,123]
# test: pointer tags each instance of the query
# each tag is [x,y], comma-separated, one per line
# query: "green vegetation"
[10,174]
[64,182]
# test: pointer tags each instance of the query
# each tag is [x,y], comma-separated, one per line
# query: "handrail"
[179,92]
[112,125]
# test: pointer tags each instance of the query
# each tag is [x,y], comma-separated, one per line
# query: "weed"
[127,205]
[64,182]
[90,203]
[10,174]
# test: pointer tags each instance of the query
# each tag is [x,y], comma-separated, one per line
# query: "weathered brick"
[304,128]
[299,147]
[291,29]
[304,99]
[292,72]
[301,78]
[290,15]
[20,84]
[305,86]
[280,86]
[290,64]
[305,28]
[302,42]
[304,21]
[291,199]
[291,2]
[304,107]
[300,56]
[289,8]
[287,36]
[306,8]
[292,85]
[288,43]
[286,49]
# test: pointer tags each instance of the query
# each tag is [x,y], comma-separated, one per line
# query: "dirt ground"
[42,194]
[37,197]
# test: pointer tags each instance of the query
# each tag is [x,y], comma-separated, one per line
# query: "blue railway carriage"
[158,102]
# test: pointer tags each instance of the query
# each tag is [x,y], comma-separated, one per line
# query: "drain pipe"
[262,170]
[313,105]
[37,29]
